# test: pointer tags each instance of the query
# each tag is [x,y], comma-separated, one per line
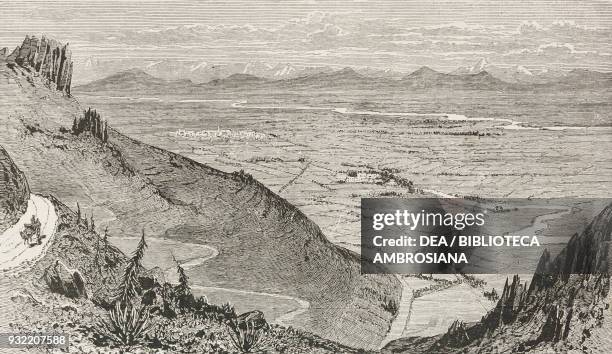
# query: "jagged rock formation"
[91,122]
[456,335]
[14,192]
[46,57]
[565,302]
[559,311]
[3,53]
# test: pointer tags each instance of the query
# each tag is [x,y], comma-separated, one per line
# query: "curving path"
[14,254]
[403,314]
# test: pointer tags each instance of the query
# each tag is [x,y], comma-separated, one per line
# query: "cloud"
[334,36]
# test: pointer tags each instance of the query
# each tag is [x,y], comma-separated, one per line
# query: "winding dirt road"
[15,255]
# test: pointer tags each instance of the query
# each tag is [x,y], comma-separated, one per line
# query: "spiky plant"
[245,336]
[126,324]
[129,286]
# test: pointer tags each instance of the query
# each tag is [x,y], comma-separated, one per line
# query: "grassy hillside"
[264,243]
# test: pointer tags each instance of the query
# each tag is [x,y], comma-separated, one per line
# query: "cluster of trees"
[473,281]
[82,220]
[91,122]
[131,316]
[128,321]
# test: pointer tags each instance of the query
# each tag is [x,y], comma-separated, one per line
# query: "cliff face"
[565,308]
[14,192]
[566,302]
[47,58]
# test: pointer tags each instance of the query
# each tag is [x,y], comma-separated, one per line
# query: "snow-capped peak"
[523,70]
[198,66]
[479,66]
[284,70]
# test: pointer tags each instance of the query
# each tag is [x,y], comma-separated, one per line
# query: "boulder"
[63,280]
[24,296]
[253,318]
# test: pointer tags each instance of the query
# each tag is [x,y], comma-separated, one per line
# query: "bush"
[126,324]
[391,306]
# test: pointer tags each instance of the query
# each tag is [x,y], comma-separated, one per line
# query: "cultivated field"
[325,152]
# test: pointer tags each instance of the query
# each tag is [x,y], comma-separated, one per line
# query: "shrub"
[391,306]
[126,324]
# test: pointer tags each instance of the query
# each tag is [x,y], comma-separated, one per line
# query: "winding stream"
[161,256]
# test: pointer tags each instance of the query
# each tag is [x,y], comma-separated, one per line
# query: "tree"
[75,125]
[129,287]
[183,287]
[105,239]
[78,213]
[184,298]
[92,226]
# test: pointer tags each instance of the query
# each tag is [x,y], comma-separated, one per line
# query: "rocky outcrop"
[62,280]
[456,335]
[3,53]
[93,123]
[14,192]
[253,319]
[46,57]
[566,301]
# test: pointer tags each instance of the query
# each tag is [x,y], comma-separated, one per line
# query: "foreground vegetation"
[147,315]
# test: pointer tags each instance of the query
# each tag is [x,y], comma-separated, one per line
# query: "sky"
[400,35]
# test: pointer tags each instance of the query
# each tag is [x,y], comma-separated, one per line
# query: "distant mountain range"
[513,74]
[481,76]
[202,72]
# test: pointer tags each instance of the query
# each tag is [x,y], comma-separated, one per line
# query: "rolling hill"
[428,78]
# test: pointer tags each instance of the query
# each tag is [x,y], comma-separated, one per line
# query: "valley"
[324,150]
[261,203]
